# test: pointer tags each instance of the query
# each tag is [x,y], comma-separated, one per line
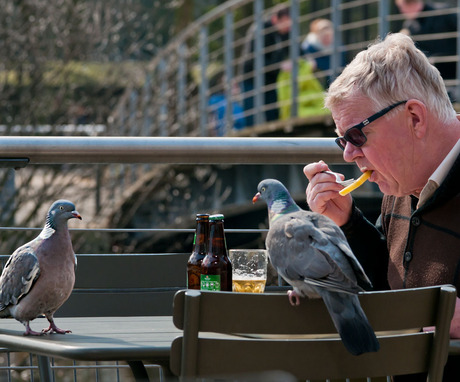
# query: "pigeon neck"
[49,228]
[282,206]
[50,222]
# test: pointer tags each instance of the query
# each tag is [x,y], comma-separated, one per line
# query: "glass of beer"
[249,270]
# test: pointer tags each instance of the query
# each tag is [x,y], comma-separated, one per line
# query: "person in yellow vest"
[311,92]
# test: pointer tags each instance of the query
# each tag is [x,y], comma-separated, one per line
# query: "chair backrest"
[273,335]
[126,285]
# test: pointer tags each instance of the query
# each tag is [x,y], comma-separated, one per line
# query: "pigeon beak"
[75,214]
[256,197]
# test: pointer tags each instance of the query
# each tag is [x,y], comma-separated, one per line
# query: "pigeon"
[312,254]
[39,276]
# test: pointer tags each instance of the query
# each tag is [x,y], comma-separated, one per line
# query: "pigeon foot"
[30,332]
[54,329]
[294,297]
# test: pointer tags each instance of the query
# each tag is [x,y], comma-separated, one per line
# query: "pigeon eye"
[61,208]
[262,189]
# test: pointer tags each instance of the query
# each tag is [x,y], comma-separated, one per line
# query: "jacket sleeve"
[369,246]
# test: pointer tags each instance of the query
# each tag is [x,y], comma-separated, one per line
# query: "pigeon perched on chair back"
[312,254]
[39,276]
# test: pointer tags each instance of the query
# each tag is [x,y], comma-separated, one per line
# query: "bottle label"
[210,282]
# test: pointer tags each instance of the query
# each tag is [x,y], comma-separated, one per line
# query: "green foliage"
[58,73]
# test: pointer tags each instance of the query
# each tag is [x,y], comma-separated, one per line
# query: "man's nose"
[352,152]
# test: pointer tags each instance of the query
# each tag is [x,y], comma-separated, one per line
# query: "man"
[276,50]
[393,117]
[420,22]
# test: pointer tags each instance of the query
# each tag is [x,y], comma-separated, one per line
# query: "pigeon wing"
[301,251]
[344,256]
[18,276]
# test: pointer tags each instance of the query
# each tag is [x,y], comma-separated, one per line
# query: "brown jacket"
[412,247]
[423,244]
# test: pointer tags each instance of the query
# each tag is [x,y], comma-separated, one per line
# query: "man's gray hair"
[389,71]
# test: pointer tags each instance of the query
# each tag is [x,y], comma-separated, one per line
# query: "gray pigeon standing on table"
[39,276]
[312,254]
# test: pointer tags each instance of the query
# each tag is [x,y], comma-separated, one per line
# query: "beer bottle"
[216,269]
[228,286]
[200,249]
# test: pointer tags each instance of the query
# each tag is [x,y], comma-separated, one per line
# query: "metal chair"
[107,283]
[228,333]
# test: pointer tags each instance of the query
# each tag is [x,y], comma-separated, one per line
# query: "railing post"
[146,101]
[383,16]
[294,55]
[132,128]
[259,62]
[336,54]
[163,112]
[44,368]
[7,193]
[122,117]
[228,58]
[181,88]
[99,185]
[204,80]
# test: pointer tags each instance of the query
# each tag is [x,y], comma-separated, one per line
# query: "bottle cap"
[216,217]
[201,216]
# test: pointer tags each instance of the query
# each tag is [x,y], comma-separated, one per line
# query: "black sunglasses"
[355,134]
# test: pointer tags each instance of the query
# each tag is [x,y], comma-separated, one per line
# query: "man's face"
[388,150]
[283,24]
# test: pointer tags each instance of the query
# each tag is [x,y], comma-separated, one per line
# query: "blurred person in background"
[418,24]
[276,50]
[219,104]
[317,47]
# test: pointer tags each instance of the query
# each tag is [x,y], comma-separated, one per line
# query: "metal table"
[130,339]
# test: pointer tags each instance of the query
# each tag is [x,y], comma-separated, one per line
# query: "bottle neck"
[200,241]
[217,244]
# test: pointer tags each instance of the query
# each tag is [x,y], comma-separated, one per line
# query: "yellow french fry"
[356,184]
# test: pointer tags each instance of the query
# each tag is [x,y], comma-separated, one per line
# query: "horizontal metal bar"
[144,230]
[125,290]
[177,150]
[72,367]
[14,162]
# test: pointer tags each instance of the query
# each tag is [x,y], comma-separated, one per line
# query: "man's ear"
[417,117]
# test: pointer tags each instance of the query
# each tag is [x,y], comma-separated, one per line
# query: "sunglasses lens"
[356,137]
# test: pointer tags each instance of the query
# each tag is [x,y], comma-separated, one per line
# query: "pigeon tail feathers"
[351,322]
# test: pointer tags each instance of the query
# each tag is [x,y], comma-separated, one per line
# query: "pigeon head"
[277,197]
[61,211]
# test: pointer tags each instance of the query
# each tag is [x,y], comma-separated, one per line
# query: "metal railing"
[105,171]
[181,80]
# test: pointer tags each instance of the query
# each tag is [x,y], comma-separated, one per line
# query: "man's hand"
[323,194]
[455,324]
